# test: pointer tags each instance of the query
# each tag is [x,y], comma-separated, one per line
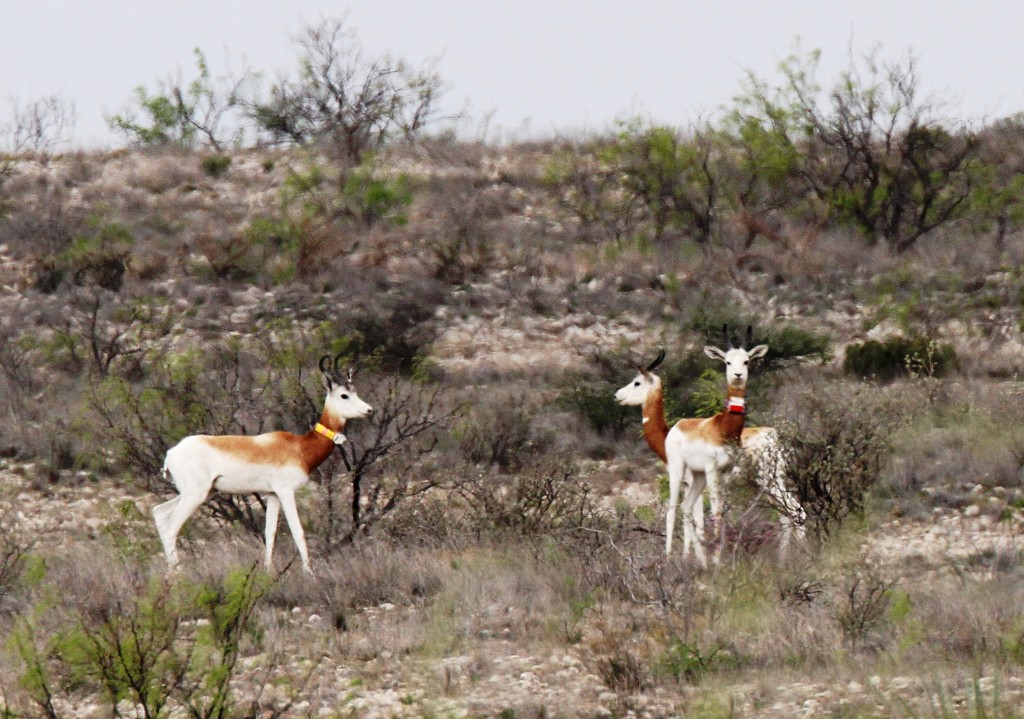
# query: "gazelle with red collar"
[698,451]
[274,464]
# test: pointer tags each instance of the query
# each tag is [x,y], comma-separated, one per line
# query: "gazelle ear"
[758,352]
[714,353]
[327,381]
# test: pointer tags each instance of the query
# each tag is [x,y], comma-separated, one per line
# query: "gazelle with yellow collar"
[275,464]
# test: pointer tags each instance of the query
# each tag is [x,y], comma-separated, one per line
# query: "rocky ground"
[347,674]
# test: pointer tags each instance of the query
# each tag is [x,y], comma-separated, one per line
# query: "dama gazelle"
[697,451]
[275,464]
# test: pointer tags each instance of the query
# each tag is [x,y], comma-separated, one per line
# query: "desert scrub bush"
[495,431]
[900,356]
[183,116]
[461,241]
[99,255]
[40,231]
[168,643]
[595,403]
[835,448]
[672,175]
[388,460]
[863,608]
[16,544]
[216,165]
[394,323]
[969,438]
[367,574]
[348,104]
[692,663]
[374,197]
[268,249]
[583,180]
[547,501]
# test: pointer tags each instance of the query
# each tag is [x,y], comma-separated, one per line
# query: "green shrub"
[374,199]
[835,451]
[692,663]
[174,642]
[597,405]
[900,356]
[792,342]
[100,254]
[216,165]
[785,341]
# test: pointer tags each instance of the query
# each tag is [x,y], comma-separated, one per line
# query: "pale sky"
[524,69]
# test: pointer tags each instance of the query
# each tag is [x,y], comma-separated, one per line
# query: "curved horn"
[657,360]
[323,362]
[726,340]
[748,341]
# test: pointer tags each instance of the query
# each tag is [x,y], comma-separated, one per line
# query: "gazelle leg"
[717,538]
[161,514]
[174,518]
[291,514]
[693,513]
[273,511]
[675,479]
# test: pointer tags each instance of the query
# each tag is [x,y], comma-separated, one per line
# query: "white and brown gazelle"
[697,451]
[275,464]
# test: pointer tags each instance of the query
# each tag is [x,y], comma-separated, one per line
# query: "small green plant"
[100,254]
[216,165]
[900,356]
[708,394]
[149,649]
[692,663]
[597,405]
[376,198]
[181,116]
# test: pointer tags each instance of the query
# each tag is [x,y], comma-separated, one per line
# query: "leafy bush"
[834,453]
[145,649]
[375,199]
[692,663]
[98,255]
[596,404]
[216,165]
[791,342]
[349,103]
[900,356]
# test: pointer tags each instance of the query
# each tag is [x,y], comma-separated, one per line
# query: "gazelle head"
[737,359]
[342,401]
[641,386]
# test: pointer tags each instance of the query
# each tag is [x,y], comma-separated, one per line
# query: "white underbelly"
[243,479]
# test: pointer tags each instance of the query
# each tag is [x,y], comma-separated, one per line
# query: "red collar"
[736,405]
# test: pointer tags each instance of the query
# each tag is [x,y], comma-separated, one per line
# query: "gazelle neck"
[732,419]
[655,427]
[318,446]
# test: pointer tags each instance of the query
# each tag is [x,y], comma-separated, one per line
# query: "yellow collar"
[328,433]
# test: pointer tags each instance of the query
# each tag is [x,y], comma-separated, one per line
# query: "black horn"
[748,341]
[324,366]
[657,360]
[726,339]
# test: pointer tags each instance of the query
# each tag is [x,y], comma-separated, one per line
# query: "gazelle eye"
[637,383]
[344,396]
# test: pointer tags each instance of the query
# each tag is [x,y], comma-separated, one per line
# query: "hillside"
[490,542]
